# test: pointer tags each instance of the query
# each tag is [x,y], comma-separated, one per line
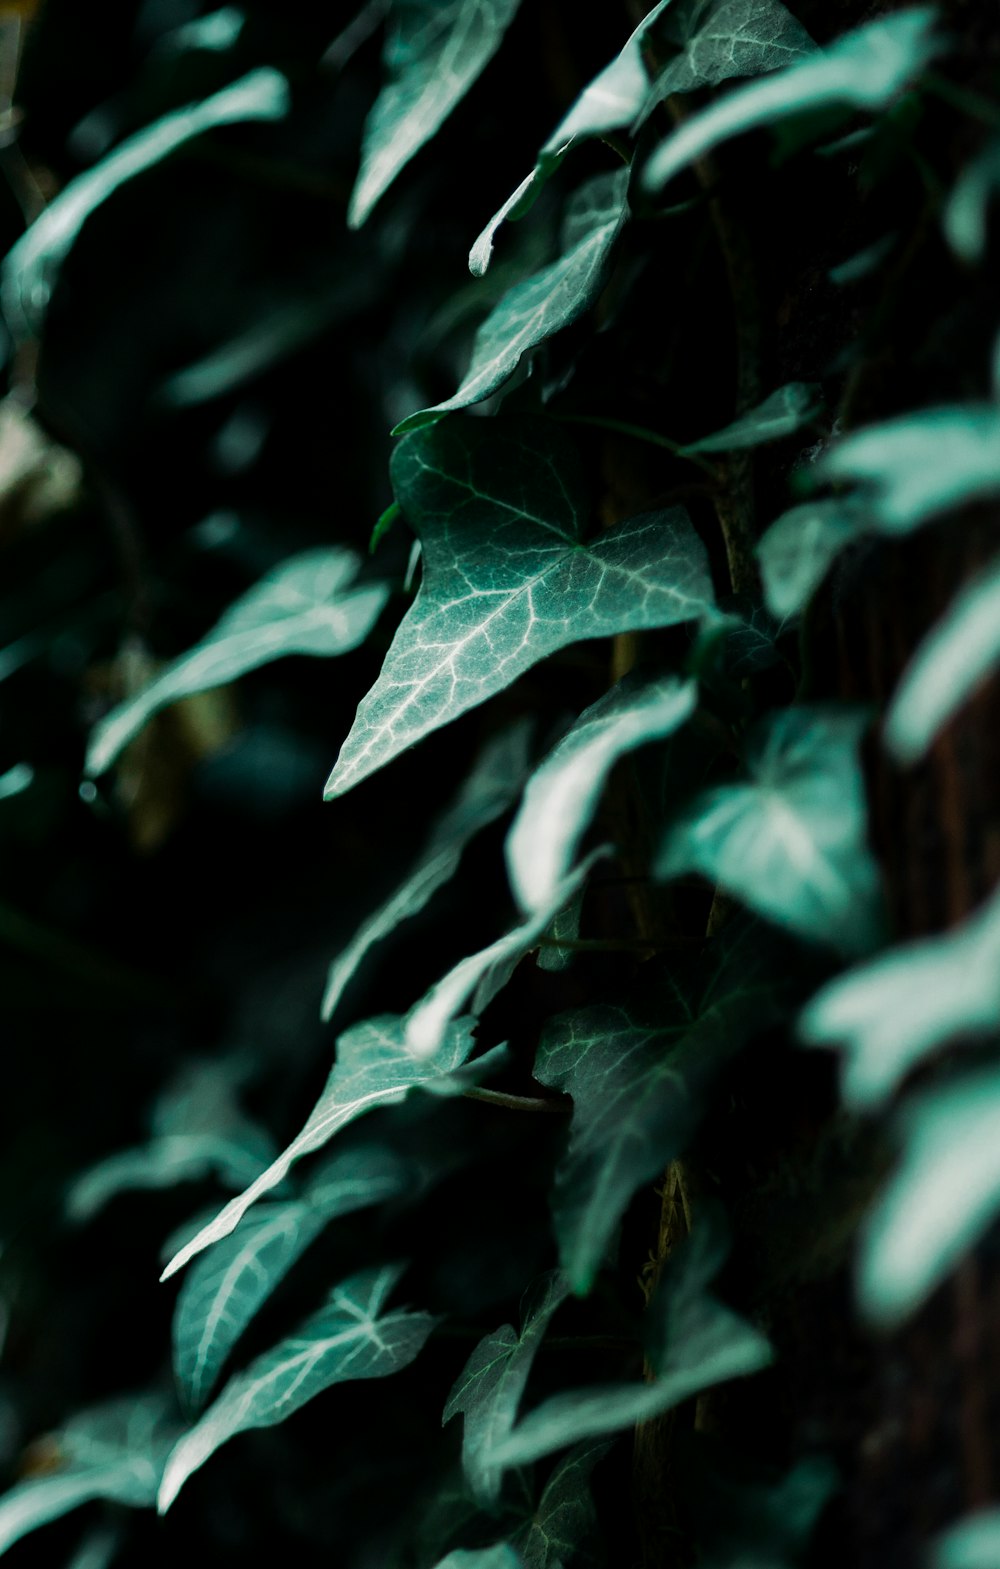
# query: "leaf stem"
[538,1103]
[639,433]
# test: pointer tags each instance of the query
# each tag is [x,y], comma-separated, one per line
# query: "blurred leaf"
[972,1544]
[965,212]
[31,268]
[374,1067]
[498,506]
[887,1015]
[796,552]
[791,842]
[181,1157]
[349,1338]
[310,604]
[866,69]
[556,950]
[941,1197]
[500,1556]
[434,51]
[224,1289]
[565,1521]
[780,415]
[958,654]
[488,791]
[547,301]
[562,794]
[488,1390]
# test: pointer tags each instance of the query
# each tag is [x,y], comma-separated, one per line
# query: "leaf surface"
[799,548]
[780,415]
[498,506]
[791,841]
[562,794]
[435,50]
[349,1338]
[310,604]
[565,1520]
[500,1556]
[723,39]
[972,1544]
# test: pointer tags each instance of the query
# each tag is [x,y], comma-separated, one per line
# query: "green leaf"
[719,39]
[972,1544]
[889,1014]
[565,1520]
[780,415]
[562,794]
[310,604]
[547,301]
[500,1556]
[965,212]
[798,549]
[488,791]
[488,1390]
[640,1075]
[700,1343]
[950,663]
[482,975]
[116,1452]
[31,268]
[941,1197]
[374,1067]
[234,1159]
[349,1338]
[914,467]
[225,1288]
[507,580]
[434,52]
[556,951]
[791,841]
[866,69]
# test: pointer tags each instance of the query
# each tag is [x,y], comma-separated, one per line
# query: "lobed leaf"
[798,549]
[349,1338]
[498,506]
[565,1521]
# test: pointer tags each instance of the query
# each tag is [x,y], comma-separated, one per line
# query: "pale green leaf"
[640,1076]
[719,39]
[780,415]
[562,795]
[488,1390]
[700,1343]
[226,1286]
[351,1337]
[790,841]
[798,549]
[115,1452]
[97,1550]
[565,1519]
[889,1014]
[941,1197]
[310,604]
[914,467]
[965,212]
[547,301]
[374,1067]
[219,30]
[500,1556]
[972,1544]
[434,52]
[959,653]
[865,69]
[31,268]
[507,579]
[493,783]
[234,1158]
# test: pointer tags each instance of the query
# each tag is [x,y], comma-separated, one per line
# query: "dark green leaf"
[565,1520]
[798,549]
[782,414]
[500,1556]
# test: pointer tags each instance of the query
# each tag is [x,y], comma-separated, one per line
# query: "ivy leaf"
[790,841]
[507,580]
[866,69]
[914,467]
[798,549]
[162,1163]
[434,52]
[699,1343]
[965,212]
[722,39]
[556,950]
[29,273]
[310,604]
[486,794]
[942,1196]
[950,663]
[500,1556]
[226,1287]
[374,1067]
[889,1014]
[780,415]
[565,1520]
[562,794]
[349,1338]
[116,1452]
[639,1075]
[488,1390]
[547,301]
[972,1544]
[482,975]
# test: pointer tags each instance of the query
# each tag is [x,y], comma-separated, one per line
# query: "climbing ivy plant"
[602,892]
